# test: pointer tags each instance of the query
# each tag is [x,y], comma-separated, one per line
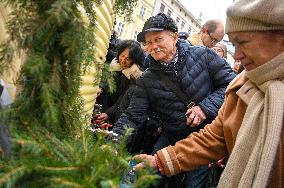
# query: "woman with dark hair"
[127,68]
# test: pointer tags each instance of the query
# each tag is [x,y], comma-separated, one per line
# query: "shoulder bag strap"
[176,89]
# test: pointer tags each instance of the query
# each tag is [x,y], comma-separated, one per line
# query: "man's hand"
[195,116]
[102,117]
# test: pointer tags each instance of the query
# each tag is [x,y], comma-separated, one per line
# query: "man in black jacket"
[199,73]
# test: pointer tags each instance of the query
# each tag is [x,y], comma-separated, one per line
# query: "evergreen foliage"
[125,8]
[51,146]
[107,78]
[44,161]
[59,45]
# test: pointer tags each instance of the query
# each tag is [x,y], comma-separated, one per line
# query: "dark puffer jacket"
[200,73]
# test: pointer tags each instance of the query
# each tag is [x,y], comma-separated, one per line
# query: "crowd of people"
[205,112]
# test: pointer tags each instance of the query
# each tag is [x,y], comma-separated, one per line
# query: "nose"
[210,45]
[121,61]
[152,46]
[239,55]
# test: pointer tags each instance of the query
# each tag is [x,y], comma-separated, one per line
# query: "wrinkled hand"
[149,159]
[195,116]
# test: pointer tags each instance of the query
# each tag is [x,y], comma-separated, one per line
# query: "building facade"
[186,22]
[146,8]
[130,30]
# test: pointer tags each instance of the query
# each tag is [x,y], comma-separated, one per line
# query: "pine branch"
[6,56]
[62,182]
[10,177]
[125,8]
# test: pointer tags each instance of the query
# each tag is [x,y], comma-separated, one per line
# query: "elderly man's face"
[254,49]
[161,45]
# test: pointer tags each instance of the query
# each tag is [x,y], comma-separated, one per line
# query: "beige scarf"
[133,72]
[252,158]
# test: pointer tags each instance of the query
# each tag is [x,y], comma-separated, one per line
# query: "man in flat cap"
[249,125]
[197,72]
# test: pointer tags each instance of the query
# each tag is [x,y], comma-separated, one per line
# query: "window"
[120,28]
[142,11]
[177,20]
[162,8]
[182,25]
[169,13]
[189,30]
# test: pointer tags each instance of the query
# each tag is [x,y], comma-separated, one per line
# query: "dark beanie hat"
[160,22]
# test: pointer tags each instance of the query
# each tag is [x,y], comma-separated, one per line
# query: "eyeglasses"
[213,40]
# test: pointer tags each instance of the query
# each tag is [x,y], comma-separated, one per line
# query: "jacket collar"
[182,47]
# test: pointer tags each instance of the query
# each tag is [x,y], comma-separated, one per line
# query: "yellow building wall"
[131,29]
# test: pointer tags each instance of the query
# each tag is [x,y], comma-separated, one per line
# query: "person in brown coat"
[249,125]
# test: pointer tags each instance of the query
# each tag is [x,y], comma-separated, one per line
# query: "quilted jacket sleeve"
[136,113]
[221,74]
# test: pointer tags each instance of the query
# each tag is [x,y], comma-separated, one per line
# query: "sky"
[210,9]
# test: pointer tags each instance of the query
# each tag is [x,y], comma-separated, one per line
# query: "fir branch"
[6,56]
[107,78]
[146,180]
[10,177]
[57,169]
[125,7]
[60,12]
[62,182]
[50,104]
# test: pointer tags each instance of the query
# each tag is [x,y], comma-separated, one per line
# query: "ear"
[175,35]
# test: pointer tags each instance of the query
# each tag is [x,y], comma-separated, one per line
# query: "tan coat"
[216,140]
[195,40]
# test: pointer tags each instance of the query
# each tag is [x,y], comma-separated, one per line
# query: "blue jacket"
[200,74]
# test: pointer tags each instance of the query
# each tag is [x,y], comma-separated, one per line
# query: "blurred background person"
[183,36]
[147,61]
[210,34]
[221,49]
[238,68]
